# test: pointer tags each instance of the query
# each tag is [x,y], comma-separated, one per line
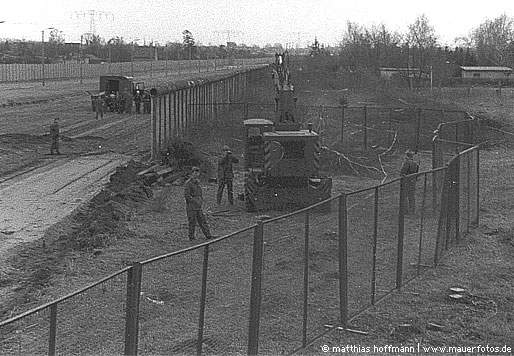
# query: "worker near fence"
[226,175]
[410,167]
[99,107]
[147,106]
[54,136]
[137,102]
[194,200]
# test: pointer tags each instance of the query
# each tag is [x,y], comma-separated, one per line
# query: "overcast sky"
[241,21]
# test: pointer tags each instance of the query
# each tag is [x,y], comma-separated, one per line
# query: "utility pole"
[43,53]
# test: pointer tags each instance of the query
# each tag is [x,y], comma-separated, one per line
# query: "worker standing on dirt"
[147,106]
[54,135]
[226,175]
[99,107]
[137,102]
[194,200]
[410,167]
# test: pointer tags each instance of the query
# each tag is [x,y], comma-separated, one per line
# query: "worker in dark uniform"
[193,196]
[99,107]
[147,107]
[54,135]
[410,167]
[137,102]
[121,104]
[226,174]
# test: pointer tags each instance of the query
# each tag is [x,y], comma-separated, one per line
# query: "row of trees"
[490,44]
[117,49]
[372,47]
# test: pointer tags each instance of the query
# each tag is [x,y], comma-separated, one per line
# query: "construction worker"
[194,200]
[410,167]
[226,174]
[99,107]
[147,106]
[54,135]
[137,102]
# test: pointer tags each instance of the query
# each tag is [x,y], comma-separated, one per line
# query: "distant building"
[485,72]
[387,73]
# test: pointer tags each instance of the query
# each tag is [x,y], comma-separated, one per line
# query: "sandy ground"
[34,201]
[36,189]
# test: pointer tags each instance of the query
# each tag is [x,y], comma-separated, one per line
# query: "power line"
[93,15]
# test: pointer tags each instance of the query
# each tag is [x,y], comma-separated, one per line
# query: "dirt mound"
[99,223]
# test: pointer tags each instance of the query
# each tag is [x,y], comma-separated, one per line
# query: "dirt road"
[33,201]
[36,189]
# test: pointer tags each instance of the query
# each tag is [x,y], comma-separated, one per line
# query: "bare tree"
[422,39]
[383,41]
[494,41]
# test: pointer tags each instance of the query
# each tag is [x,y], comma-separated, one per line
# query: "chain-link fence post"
[457,198]
[305,279]
[478,184]
[342,125]
[201,317]
[154,127]
[418,129]
[401,232]
[53,329]
[132,309]
[365,137]
[255,295]
[375,241]
[343,260]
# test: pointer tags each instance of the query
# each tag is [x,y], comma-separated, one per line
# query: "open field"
[158,226]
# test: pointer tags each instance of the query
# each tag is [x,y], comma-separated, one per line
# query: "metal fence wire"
[196,300]
[54,328]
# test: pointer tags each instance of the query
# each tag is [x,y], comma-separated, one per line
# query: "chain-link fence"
[322,269]
[55,328]
[273,287]
[196,300]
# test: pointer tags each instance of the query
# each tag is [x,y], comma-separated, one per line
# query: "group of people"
[118,103]
[193,192]
[194,200]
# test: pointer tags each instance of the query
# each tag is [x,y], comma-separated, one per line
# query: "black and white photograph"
[273,177]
